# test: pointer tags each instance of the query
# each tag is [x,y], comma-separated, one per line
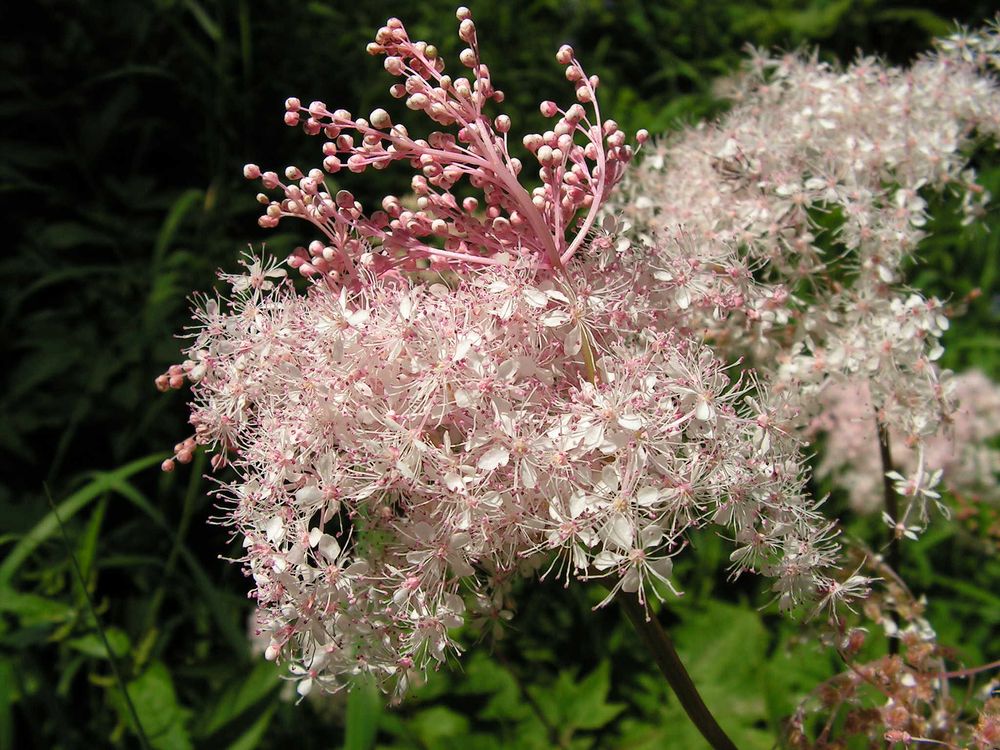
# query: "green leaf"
[163,720]
[67,509]
[212,597]
[364,706]
[32,609]
[207,24]
[181,207]
[7,679]
[92,644]
[240,695]
[572,704]
[434,725]
[251,738]
[723,647]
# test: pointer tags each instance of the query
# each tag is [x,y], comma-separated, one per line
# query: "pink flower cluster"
[960,455]
[470,391]
[782,232]
[580,160]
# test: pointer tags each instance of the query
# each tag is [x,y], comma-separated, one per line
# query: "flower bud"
[380,118]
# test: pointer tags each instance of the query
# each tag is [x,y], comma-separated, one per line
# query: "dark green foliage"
[123,129]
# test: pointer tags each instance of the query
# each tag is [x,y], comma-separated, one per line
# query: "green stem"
[661,648]
[891,509]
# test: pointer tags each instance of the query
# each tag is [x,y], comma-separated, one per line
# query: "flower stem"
[661,647]
[891,508]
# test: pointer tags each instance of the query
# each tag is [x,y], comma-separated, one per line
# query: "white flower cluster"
[401,452]
[783,230]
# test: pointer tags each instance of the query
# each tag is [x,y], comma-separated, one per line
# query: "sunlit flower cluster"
[539,382]
[472,390]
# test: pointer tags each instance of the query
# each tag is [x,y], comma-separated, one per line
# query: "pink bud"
[168,465]
[467,30]
[463,13]
[565,55]
[291,103]
[380,118]
[548,108]
[502,123]
[251,171]
[291,118]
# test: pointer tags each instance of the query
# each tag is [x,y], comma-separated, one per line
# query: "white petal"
[630,421]
[493,458]
[453,482]
[704,410]
[275,529]
[555,319]
[329,547]
[535,298]
[650,536]
[662,567]
[606,560]
[577,504]
[529,477]
[630,581]
[573,342]
[309,495]
[620,532]
[647,496]
[358,318]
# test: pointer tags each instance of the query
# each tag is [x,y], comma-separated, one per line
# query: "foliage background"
[123,129]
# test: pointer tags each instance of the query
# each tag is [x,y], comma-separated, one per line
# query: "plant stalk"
[661,647]
[891,509]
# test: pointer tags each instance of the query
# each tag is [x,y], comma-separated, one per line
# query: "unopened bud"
[467,30]
[380,118]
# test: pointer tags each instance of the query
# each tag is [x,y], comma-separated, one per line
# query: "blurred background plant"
[124,128]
